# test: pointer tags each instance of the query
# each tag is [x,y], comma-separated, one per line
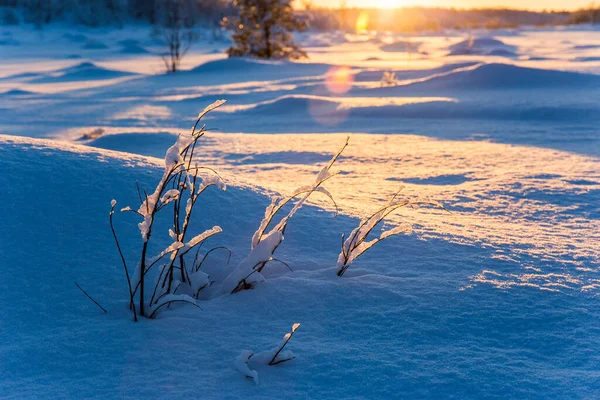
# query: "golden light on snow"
[464,170]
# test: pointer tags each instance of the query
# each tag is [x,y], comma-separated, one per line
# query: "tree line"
[116,12]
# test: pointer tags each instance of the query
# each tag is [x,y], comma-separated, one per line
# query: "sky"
[517,4]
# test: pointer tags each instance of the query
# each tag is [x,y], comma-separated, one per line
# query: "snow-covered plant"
[357,244]
[179,188]
[388,79]
[271,357]
[248,272]
[262,29]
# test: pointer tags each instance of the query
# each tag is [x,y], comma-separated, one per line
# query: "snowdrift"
[85,71]
[486,46]
[251,67]
[357,332]
[402,74]
[132,46]
[401,46]
[497,76]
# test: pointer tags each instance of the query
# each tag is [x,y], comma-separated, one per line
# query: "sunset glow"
[388,3]
[514,4]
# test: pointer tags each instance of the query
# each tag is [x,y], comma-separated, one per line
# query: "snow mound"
[243,65]
[21,76]
[234,64]
[312,112]
[376,74]
[85,71]
[401,46]
[488,46]
[587,59]
[131,46]
[17,92]
[507,76]
[148,144]
[587,47]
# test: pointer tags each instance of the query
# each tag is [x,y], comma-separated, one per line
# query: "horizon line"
[429,7]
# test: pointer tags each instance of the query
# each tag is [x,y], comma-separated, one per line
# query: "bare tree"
[176,29]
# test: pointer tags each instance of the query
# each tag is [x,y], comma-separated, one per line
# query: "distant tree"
[143,9]
[8,16]
[176,29]
[210,13]
[343,12]
[39,12]
[263,29]
[98,12]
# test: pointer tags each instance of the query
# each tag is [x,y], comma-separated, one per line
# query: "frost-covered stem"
[170,279]
[182,264]
[346,265]
[177,204]
[112,227]
[286,338]
[142,270]
[242,284]
[356,244]
[137,185]
[157,284]
[262,264]
[197,265]
[181,237]
[188,216]
[323,176]
[264,244]
[272,362]
[151,213]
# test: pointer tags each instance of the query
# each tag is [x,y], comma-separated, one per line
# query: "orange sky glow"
[515,4]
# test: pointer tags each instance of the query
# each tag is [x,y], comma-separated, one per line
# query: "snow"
[247,269]
[193,242]
[241,364]
[499,298]
[271,357]
[169,196]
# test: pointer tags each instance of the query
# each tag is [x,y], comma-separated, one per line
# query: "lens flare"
[339,80]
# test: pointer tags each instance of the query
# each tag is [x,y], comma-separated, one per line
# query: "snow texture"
[498,299]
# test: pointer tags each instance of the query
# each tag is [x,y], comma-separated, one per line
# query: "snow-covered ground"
[498,299]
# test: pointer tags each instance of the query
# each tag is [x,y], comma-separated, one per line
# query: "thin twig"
[112,227]
[272,362]
[90,297]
